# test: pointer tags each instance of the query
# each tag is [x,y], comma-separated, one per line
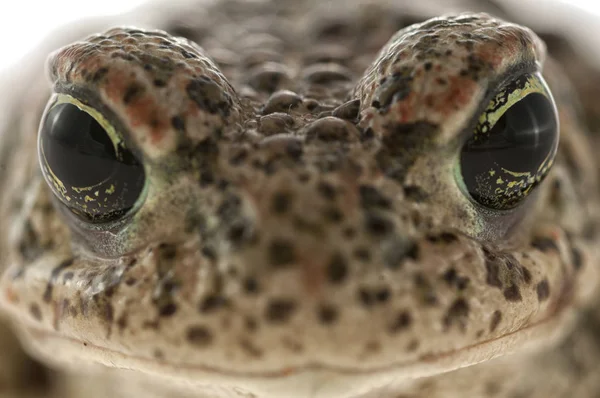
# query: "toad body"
[305,200]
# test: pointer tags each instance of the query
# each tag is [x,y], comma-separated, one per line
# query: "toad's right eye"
[85,162]
[513,146]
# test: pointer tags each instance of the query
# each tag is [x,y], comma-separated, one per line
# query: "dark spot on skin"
[281,202]
[369,297]
[398,251]
[239,157]
[251,324]
[402,145]
[370,197]
[444,237]
[159,83]
[158,354]
[281,252]
[35,312]
[544,244]
[54,277]
[378,225]
[167,284]
[99,74]
[512,293]
[337,269]
[67,276]
[327,314]
[413,251]
[168,309]
[213,303]
[365,297]
[187,54]
[209,252]
[122,323]
[526,274]
[178,123]
[132,92]
[402,322]
[30,246]
[382,295]
[326,190]
[349,233]
[199,336]
[415,193]
[495,321]
[393,89]
[373,347]
[206,178]
[209,96]
[109,312]
[543,290]
[367,134]
[167,251]
[240,232]
[280,311]
[576,258]
[413,345]
[425,290]
[251,285]
[492,265]
[457,315]
[333,214]
[453,279]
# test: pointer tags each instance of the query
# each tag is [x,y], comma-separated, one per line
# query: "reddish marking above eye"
[405,108]
[460,93]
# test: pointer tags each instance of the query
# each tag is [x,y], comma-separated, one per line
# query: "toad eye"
[513,145]
[85,162]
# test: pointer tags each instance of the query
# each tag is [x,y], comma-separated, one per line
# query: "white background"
[23,23]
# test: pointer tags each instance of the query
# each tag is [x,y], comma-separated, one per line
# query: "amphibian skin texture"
[303,199]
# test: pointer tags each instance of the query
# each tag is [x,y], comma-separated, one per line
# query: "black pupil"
[100,183]
[73,137]
[502,165]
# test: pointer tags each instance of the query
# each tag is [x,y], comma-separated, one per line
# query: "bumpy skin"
[302,232]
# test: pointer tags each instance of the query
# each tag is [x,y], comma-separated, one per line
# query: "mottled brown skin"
[303,233]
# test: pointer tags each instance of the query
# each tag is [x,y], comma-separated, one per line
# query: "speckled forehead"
[160,88]
[438,71]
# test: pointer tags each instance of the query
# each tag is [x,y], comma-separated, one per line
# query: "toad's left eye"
[513,145]
[86,163]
